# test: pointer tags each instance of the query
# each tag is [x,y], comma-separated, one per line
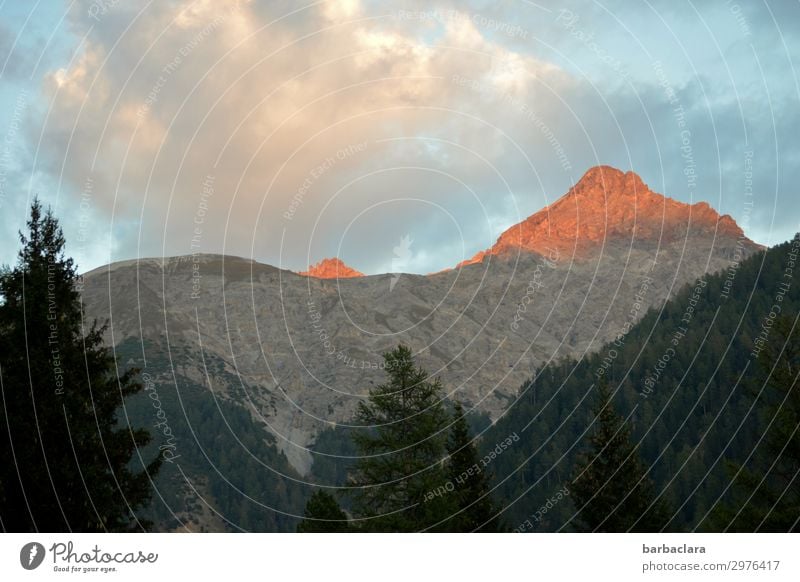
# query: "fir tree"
[471,482]
[402,449]
[323,515]
[610,489]
[67,461]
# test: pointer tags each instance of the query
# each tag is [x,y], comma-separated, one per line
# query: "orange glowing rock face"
[608,204]
[605,205]
[331,269]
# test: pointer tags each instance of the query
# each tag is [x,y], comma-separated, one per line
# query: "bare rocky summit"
[331,269]
[299,351]
[607,205]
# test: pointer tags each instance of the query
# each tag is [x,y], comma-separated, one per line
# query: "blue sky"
[339,128]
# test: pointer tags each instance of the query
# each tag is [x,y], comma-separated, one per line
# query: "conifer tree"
[610,490]
[68,462]
[402,451]
[323,515]
[474,509]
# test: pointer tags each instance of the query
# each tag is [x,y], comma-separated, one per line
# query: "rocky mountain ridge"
[606,204]
[299,351]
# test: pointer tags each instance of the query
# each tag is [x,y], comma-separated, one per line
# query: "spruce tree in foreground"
[610,490]
[66,461]
[323,515]
[411,476]
[402,449]
[474,509]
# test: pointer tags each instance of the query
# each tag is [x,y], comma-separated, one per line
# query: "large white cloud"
[343,127]
[264,102]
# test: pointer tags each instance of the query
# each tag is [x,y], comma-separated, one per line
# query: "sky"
[399,136]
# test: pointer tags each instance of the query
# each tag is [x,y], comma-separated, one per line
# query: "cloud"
[261,101]
[290,133]
[15,61]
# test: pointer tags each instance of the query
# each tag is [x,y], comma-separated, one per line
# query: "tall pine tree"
[610,489]
[402,451]
[474,509]
[67,462]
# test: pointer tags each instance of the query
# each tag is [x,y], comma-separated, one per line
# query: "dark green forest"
[696,418]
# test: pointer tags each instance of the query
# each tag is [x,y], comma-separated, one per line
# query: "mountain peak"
[332,268]
[609,204]
[608,181]
[602,172]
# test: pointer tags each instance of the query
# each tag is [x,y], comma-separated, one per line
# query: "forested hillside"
[694,381]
